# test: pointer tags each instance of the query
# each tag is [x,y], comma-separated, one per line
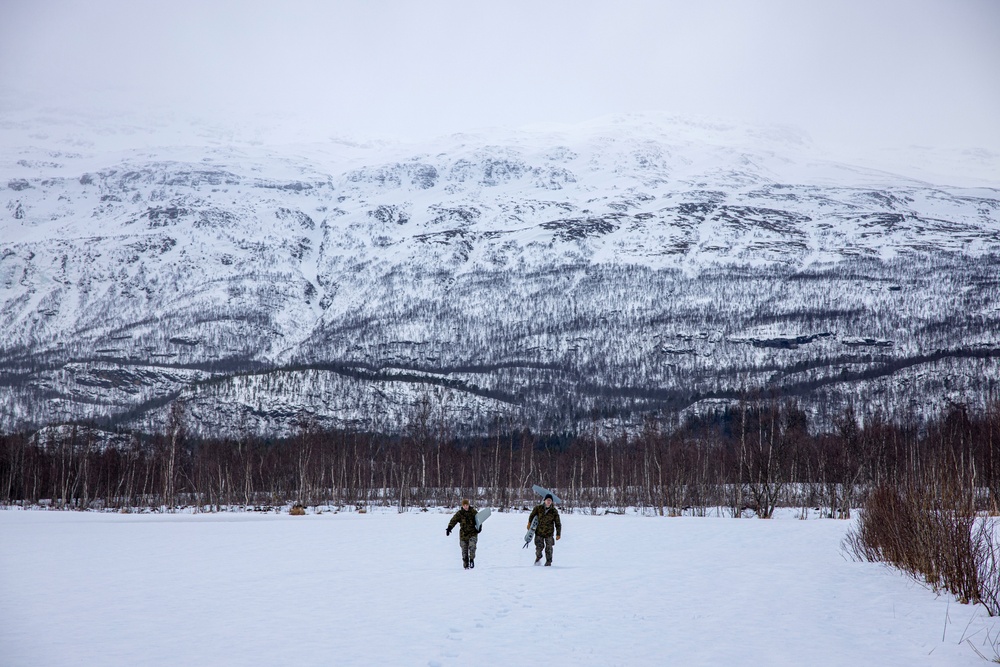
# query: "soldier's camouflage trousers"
[469,549]
[544,542]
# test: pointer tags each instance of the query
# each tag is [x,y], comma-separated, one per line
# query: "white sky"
[862,73]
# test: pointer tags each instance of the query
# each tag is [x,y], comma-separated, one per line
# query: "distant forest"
[550,348]
[746,459]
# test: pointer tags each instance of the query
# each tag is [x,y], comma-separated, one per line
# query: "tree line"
[749,458]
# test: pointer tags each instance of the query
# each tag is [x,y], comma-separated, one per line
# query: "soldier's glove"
[479,530]
[558,536]
[447,531]
[528,527]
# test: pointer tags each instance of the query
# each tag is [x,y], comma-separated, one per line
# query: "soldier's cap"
[548,496]
[465,501]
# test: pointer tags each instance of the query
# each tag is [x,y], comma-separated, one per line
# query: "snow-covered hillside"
[621,266]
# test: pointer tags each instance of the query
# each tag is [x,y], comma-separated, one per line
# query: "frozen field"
[389,589]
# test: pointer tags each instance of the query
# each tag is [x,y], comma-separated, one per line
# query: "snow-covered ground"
[389,589]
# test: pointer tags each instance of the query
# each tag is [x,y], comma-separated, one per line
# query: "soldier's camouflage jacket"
[547,520]
[467,519]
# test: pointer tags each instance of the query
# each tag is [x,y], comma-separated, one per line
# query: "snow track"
[381,589]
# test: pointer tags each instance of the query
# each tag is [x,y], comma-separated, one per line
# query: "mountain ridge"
[579,250]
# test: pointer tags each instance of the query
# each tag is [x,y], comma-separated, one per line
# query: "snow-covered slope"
[628,264]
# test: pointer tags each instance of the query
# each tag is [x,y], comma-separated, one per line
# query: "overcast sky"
[867,72]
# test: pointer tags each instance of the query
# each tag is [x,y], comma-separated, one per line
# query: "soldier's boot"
[538,561]
[465,563]
[472,563]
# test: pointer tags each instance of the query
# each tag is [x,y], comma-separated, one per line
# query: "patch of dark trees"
[754,456]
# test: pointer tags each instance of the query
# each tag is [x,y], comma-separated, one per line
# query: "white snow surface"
[389,589]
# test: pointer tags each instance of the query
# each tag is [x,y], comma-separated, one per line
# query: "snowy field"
[389,589]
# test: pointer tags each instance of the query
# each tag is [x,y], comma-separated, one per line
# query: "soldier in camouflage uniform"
[548,522]
[468,535]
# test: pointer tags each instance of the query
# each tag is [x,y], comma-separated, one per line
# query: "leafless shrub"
[931,531]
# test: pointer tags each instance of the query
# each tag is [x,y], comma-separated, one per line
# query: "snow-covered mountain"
[546,278]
